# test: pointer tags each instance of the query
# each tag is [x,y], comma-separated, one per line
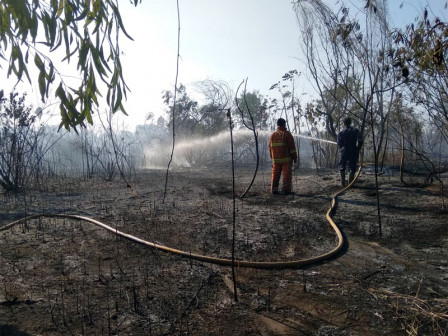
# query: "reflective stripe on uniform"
[282,160]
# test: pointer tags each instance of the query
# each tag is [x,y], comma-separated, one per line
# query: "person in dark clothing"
[349,143]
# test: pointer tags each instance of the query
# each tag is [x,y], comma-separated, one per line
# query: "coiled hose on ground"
[214,260]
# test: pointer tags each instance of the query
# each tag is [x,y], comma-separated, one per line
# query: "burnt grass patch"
[68,277]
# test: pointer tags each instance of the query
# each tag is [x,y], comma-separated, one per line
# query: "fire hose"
[214,260]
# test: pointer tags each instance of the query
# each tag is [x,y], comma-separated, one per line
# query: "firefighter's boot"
[351,177]
[342,178]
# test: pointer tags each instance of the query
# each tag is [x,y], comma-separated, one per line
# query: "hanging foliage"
[87,30]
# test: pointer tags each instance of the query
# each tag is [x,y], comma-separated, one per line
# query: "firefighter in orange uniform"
[283,152]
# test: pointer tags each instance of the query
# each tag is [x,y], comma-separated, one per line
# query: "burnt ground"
[67,277]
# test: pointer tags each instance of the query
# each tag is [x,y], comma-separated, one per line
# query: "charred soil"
[68,277]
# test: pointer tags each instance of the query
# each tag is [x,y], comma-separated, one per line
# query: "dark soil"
[68,277]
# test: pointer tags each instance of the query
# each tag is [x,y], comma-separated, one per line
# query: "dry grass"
[417,316]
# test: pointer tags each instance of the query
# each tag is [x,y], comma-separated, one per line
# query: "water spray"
[313,138]
[239,135]
[303,136]
[210,145]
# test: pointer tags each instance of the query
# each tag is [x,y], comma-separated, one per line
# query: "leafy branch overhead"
[86,29]
[421,54]
[422,45]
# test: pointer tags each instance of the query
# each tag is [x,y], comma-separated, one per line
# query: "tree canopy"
[87,30]
[421,56]
[251,104]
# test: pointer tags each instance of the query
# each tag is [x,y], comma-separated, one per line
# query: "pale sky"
[219,40]
[227,40]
